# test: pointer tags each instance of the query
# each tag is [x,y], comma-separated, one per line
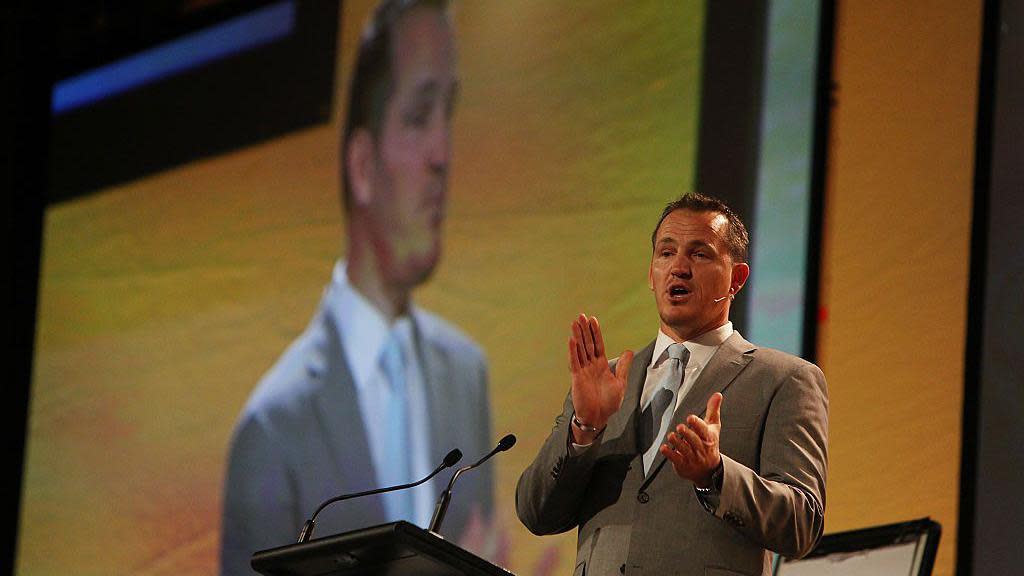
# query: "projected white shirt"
[364,333]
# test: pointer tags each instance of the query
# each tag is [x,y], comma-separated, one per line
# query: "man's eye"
[418,116]
[666,253]
[417,120]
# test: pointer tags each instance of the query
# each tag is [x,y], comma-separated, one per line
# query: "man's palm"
[596,391]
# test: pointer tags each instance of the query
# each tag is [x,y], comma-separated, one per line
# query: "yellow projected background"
[164,300]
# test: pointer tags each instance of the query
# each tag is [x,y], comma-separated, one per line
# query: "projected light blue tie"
[396,468]
[657,416]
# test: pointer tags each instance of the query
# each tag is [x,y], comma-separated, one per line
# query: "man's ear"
[360,165]
[740,273]
[650,276]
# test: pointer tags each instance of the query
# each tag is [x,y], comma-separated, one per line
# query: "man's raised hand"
[596,391]
[693,447]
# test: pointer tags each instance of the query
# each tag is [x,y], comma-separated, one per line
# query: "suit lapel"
[338,413]
[621,432]
[722,369]
[617,425]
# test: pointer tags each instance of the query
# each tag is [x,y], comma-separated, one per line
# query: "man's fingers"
[689,436]
[671,455]
[677,445]
[581,352]
[701,428]
[574,362]
[675,441]
[595,329]
[577,332]
[622,367]
[714,412]
[582,357]
[588,336]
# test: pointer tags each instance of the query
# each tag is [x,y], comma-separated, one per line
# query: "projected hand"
[693,447]
[596,391]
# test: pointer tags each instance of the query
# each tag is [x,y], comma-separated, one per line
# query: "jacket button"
[622,569]
[643,498]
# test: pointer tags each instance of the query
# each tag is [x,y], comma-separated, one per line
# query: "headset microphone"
[730,296]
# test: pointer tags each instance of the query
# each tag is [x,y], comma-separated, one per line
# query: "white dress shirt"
[701,348]
[364,334]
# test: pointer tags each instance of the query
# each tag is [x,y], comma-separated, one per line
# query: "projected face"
[413,149]
[690,268]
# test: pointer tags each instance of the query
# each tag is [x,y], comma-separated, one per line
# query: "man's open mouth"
[678,291]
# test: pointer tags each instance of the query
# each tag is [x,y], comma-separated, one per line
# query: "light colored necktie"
[396,467]
[657,416]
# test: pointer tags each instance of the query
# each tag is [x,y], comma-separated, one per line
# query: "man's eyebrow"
[430,87]
[427,88]
[701,244]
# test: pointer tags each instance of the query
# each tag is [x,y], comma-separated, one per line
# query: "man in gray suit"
[700,453]
[376,391]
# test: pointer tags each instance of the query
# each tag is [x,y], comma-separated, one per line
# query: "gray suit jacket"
[301,440]
[773,445]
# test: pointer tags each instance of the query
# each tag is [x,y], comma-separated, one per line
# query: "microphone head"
[453,458]
[507,442]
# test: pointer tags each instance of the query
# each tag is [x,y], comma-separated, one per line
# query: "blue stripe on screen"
[196,49]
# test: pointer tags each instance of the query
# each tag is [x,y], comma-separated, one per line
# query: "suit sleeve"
[782,508]
[550,491]
[259,499]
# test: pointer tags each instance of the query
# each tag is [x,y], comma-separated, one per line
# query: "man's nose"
[680,267]
[440,152]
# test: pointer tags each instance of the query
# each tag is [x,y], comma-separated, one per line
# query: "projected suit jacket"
[773,445]
[301,440]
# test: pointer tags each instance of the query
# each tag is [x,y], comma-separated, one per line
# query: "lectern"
[395,549]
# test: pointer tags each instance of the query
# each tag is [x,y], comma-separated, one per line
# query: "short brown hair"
[373,76]
[736,237]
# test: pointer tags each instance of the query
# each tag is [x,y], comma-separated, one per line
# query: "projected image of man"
[376,390]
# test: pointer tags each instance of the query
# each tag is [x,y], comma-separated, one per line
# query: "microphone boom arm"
[307,529]
[446,497]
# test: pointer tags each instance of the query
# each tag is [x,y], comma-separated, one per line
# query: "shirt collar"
[364,331]
[701,348]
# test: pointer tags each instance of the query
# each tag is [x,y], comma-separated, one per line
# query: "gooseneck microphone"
[446,497]
[451,459]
